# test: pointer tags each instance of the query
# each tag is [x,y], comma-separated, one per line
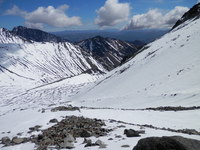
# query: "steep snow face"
[165,73]
[108,52]
[41,62]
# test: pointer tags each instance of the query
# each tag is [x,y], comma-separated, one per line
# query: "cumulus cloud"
[55,17]
[15,11]
[154,18]
[112,13]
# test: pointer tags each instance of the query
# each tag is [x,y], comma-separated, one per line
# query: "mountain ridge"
[109,52]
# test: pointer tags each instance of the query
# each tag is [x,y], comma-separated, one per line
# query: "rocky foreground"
[64,134]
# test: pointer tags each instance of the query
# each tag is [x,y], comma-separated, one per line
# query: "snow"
[165,74]
[171,65]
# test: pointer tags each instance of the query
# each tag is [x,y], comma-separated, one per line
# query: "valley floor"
[33,107]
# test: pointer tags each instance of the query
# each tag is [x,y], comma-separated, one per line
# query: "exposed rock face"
[167,143]
[193,13]
[36,35]
[109,52]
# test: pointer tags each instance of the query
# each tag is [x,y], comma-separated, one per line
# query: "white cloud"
[154,18]
[198,1]
[112,13]
[55,17]
[16,11]
[34,25]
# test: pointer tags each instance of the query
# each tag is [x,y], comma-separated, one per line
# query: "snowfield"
[165,73]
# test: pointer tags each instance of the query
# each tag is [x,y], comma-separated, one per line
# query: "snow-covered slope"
[165,73]
[41,62]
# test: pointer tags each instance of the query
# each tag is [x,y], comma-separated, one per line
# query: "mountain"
[165,73]
[192,14]
[41,63]
[147,35]
[162,80]
[109,52]
[36,35]
[139,44]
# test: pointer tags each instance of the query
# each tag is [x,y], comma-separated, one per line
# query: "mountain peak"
[193,13]
[109,52]
[36,35]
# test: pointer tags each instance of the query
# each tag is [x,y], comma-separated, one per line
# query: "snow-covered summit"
[41,62]
[8,37]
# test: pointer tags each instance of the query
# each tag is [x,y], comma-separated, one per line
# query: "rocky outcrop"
[193,13]
[63,134]
[167,143]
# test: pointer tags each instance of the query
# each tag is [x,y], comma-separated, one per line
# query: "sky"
[58,15]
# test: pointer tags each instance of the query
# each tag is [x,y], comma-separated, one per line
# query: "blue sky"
[57,15]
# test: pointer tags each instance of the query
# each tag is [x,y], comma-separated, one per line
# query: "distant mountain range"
[145,36]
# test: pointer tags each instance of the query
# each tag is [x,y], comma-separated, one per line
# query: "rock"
[100,144]
[110,139]
[118,136]
[88,142]
[65,108]
[5,140]
[53,121]
[68,142]
[131,133]
[43,110]
[125,146]
[85,133]
[17,140]
[167,143]
[70,138]
[35,128]
[77,126]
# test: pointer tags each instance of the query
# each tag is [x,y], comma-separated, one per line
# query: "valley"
[103,92]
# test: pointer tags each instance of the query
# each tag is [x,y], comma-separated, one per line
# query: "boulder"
[88,142]
[85,133]
[5,140]
[125,146]
[53,121]
[68,142]
[100,144]
[167,143]
[131,133]
[17,140]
